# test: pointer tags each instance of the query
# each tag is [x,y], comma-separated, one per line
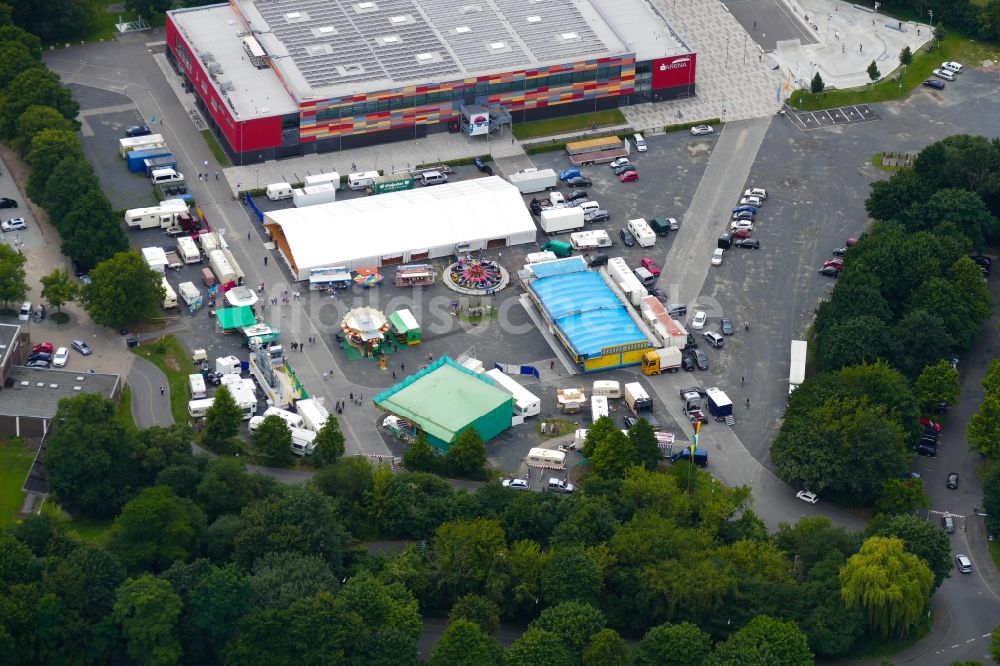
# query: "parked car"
[45,347]
[758,192]
[517,484]
[741,232]
[836,261]
[138,130]
[751,201]
[621,161]
[13,224]
[750,243]
[7,203]
[698,322]
[687,361]
[60,358]
[81,347]
[38,363]
[577,194]
[691,342]
[624,168]
[830,271]
[24,314]
[40,356]
[807,496]
[626,237]
[569,173]
[714,339]
[740,209]
[701,359]
[952,66]
[629,177]
[744,215]
[598,259]
[928,449]
[934,83]
[596,215]
[839,251]
[579,181]
[659,294]
[741,224]
[726,325]
[698,130]
[650,266]
[963,563]
[952,481]
[700,390]
[944,74]
[677,310]
[717,256]
[580,202]
[483,166]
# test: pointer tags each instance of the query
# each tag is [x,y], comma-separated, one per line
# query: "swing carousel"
[480,276]
[364,329]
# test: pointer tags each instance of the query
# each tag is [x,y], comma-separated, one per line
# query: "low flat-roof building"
[402,227]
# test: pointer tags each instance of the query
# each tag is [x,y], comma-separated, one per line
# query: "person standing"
[163,389]
[265,260]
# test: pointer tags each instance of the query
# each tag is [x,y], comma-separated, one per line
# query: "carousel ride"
[476,275]
[364,329]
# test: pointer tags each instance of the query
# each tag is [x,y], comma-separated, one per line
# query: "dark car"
[624,168]
[744,215]
[579,181]
[985,263]
[626,237]
[701,358]
[7,203]
[81,347]
[659,293]
[483,166]
[934,83]
[40,356]
[138,130]
[691,342]
[745,208]
[952,481]
[596,215]
[750,243]
[830,271]
[687,362]
[700,390]
[577,194]
[925,449]
[537,206]
[597,259]
[38,363]
[726,325]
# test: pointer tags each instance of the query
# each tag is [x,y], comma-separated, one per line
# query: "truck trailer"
[637,399]
[719,404]
[130,143]
[797,372]
[223,269]
[187,250]
[529,181]
[589,240]
[667,359]
[394,182]
[667,331]
[557,220]
[312,195]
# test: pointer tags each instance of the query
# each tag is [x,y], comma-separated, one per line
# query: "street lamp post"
[727,52]
[745,48]
[930,12]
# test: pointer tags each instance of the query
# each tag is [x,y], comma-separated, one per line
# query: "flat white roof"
[391,224]
[644,28]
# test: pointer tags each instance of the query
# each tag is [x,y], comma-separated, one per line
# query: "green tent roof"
[230,318]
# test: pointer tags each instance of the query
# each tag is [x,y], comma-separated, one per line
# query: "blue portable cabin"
[137,158]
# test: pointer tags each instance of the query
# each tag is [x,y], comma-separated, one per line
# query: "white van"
[198,408]
[433,178]
[640,143]
[579,437]
[197,385]
[546,458]
[362,180]
[165,176]
[279,191]
[599,407]
[607,388]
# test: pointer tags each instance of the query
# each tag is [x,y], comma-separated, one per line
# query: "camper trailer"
[279,191]
[526,403]
[362,180]
[169,295]
[197,385]
[313,414]
[546,458]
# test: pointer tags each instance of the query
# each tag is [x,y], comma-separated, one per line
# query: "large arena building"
[279,78]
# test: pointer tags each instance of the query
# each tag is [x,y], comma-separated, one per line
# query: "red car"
[836,262]
[629,176]
[928,423]
[741,233]
[650,266]
[45,347]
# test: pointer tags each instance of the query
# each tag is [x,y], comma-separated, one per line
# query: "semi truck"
[667,359]
[797,373]
[557,220]
[155,216]
[529,181]
[395,182]
[136,159]
[312,195]
[637,399]
[719,404]
[168,161]
[187,250]
[185,223]
[589,240]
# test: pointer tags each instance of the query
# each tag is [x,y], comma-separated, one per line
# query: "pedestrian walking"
[300,346]
[393,374]
[217,175]
[861,48]
[402,367]
[163,389]
[748,403]
[552,365]
[293,346]
[352,397]
[755,25]
[206,164]
[265,260]
[248,235]
[742,380]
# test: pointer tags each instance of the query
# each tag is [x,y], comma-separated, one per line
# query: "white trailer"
[322,179]
[189,293]
[169,295]
[156,258]
[279,191]
[362,180]
[224,271]
[153,217]
[797,372]
[644,234]
[529,181]
[526,403]
[598,407]
[130,143]
[314,415]
[622,275]
[197,385]
[313,195]
[303,441]
[588,240]
[244,392]
[187,250]
[556,220]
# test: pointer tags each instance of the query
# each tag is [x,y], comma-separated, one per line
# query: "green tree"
[965,209]
[68,182]
[14,59]
[222,420]
[57,22]
[682,644]
[87,458]
[17,563]
[155,529]
[995,644]
[328,446]
[812,539]
[890,199]
[921,338]
[48,149]
[983,431]
[890,584]
[900,496]
[12,33]
[13,286]
[90,233]
[33,87]
[613,456]
[923,538]
[607,648]
[147,609]
[35,118]
[273,440]
[765,641]
[590,522]
[279,579]
[537,646]
[465,550]
[226,487]
[59,288]
[852,341]
[905,56]
[464,643]
[873,72]
[214,608]
[124,288]
[381,622]
[991,499]
[646,447]
[467,456]
[816,85]
[571,574]
[936,384]
[477,609]
[598,432]
[574,622]
[831,627]
[147,8]
[157,448]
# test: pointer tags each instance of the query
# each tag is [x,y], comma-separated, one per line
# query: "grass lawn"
[953,47]
[124,414]
[584,121]
[91,531]
[15,461]
[217,152]
[173,360]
